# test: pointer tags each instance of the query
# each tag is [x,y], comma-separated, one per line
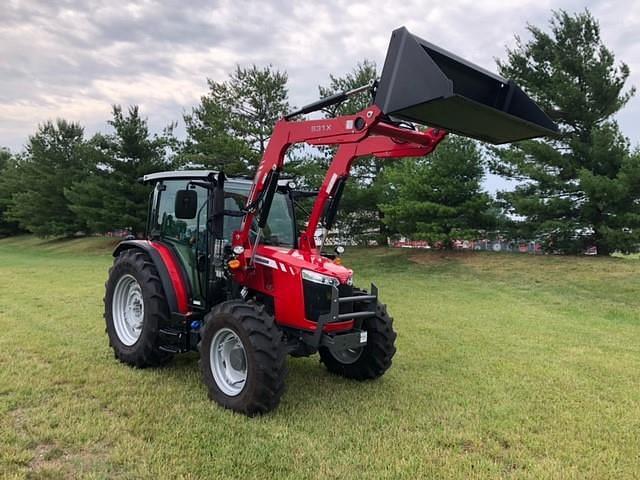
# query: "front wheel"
[243,358]
[373,359]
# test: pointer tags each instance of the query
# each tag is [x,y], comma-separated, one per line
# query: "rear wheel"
[373,359]
[243,358]
[135,306]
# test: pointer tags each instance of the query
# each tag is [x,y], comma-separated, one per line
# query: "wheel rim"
[128,310]
[228,360]
[348,356]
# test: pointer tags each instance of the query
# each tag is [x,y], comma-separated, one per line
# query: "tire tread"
[146,352]
[265,340]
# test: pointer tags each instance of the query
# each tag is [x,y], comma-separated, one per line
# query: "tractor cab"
[180,217]
[194,217]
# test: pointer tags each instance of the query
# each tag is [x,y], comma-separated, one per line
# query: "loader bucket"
[425,84]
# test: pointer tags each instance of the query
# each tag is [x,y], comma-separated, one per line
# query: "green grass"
[508,366]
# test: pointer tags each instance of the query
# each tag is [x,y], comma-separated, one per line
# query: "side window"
[179,229]
[279,231]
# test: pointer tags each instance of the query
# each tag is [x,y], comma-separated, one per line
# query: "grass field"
[507,366]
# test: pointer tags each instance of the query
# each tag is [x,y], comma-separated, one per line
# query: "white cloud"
[73,59]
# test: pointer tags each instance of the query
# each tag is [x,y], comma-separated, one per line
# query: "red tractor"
[223,270]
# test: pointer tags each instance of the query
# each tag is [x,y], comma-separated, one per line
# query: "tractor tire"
[134,308]
[243,357]
[370,361]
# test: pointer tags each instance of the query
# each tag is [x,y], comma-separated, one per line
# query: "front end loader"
[225,272]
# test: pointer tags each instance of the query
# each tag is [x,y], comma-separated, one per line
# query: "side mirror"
[186,206]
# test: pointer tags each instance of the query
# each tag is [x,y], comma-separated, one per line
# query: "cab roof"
[187,174]
[202,175]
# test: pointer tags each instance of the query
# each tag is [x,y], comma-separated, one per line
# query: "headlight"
[319,278]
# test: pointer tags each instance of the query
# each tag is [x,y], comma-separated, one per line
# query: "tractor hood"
[288,259]
[425,84]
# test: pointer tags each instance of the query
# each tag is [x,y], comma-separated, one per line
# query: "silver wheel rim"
[128,310]
[228,361]
[348,356]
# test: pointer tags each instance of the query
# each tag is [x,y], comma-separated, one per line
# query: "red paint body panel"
[277,273]
[177,279]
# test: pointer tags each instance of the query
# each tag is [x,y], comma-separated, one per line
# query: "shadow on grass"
[311,389]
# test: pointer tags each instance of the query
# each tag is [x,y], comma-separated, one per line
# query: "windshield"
[279,230]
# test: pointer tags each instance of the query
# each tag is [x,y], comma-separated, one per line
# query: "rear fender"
[166,264]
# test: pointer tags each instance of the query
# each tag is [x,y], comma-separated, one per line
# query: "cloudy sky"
[75,58]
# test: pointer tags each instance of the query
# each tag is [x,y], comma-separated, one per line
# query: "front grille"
[317,299]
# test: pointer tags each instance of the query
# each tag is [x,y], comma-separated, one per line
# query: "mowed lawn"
[508,366]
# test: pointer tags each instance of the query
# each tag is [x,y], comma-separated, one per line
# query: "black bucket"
[425,84]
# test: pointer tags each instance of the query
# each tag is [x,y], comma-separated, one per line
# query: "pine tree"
[580,189]
[231,127]
[111,197]
[439,198]
[8,186]
[55,157]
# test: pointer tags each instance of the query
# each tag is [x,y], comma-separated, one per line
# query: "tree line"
[577,190]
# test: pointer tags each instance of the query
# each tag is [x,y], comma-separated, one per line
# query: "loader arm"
[362,134]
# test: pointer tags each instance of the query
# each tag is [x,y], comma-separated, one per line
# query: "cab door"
[187,237]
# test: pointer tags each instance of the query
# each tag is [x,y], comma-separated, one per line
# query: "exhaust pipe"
[425,84]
